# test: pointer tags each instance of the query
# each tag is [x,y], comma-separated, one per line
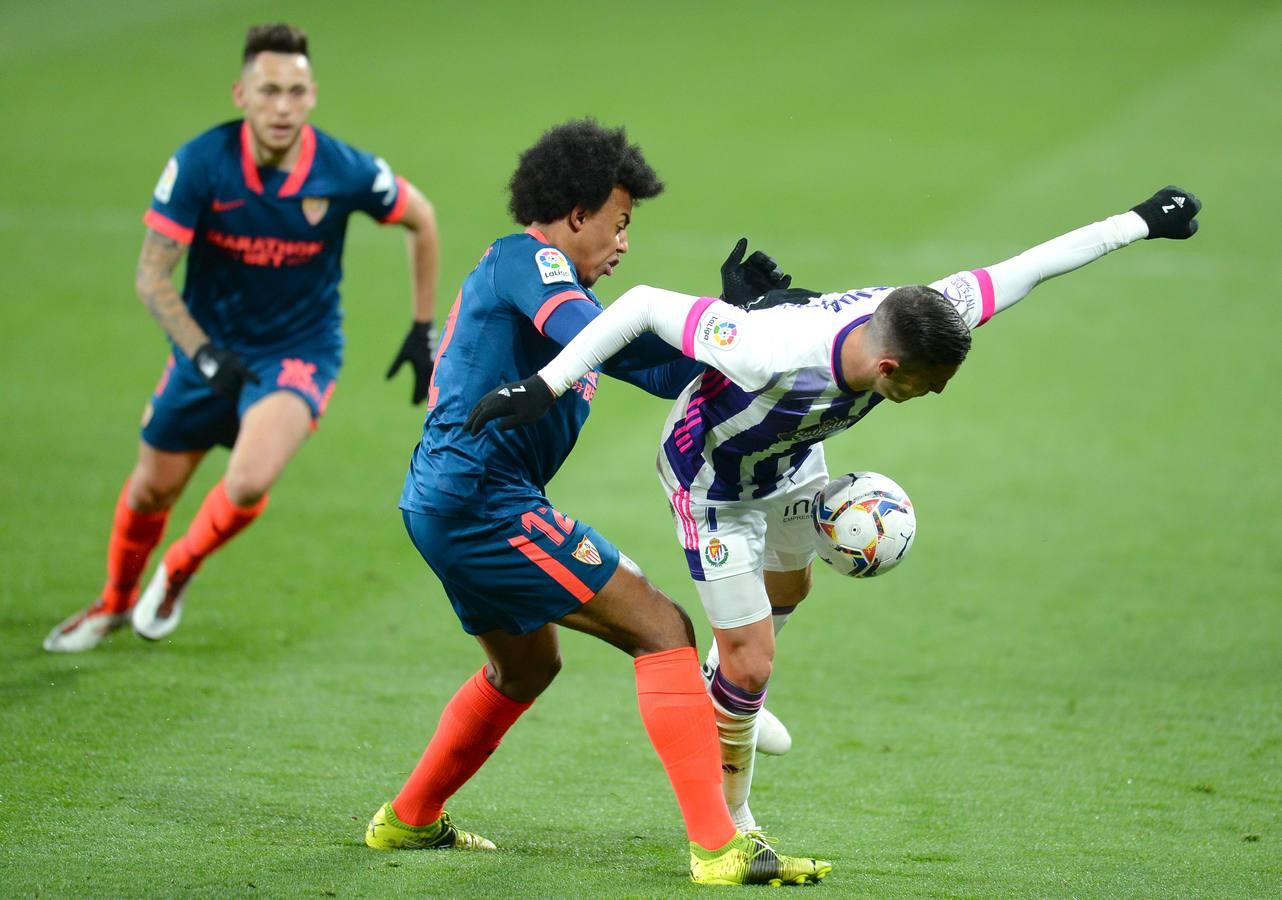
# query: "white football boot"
[85,630]
[160,608]
[772,735]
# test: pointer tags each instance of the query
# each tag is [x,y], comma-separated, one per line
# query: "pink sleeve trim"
[551,303]
[168,227]
[398,208]
[692,324]
[987,301]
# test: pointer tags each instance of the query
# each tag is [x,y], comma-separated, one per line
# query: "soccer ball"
[864,524]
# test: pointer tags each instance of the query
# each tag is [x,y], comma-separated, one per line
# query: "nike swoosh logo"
[224,205]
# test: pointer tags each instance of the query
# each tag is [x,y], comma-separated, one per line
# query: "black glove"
[522,402]
[742,282]
[223,370]
[1170,214]
[783,297]
[417,351]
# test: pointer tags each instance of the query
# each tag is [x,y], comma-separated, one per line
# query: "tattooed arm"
[155,285]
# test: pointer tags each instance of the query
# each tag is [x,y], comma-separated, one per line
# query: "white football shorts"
[727,538]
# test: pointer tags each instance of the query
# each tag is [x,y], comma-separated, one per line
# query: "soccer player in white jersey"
[742,452]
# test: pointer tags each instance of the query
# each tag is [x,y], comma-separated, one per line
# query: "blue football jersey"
[494,335]
[267,245]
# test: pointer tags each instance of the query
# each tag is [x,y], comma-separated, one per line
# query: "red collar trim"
[297,175]
[248,167]
[535,233]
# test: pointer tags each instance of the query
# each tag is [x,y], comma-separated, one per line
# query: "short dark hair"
[275,38]
[920,328]
[577,164]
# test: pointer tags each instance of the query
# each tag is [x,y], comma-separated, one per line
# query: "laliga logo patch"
[720,333]
[314,209]
[553,266]
[716,553]
[587,553]
[165,186]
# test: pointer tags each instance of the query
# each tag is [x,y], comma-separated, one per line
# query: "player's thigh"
[633,615]
[271,432]
[159,477]
[790,532]
[521,666]
[739,609]
[514,572]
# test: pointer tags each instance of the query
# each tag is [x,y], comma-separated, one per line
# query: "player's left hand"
[417,350]
[521,403]
[1170,213]
[743,281]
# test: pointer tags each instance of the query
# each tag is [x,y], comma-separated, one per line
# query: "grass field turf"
[1072,689]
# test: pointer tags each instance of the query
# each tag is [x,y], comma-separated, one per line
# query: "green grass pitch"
[1072,689]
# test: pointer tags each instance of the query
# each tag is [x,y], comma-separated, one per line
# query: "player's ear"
[238,93]
[887,367]
[578,218]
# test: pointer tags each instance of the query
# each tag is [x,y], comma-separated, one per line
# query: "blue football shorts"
[185,413]
[516,573]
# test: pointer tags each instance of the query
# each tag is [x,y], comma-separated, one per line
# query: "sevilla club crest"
[587,553]
[314,209]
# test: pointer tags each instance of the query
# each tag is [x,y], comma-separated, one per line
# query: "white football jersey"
[774,387]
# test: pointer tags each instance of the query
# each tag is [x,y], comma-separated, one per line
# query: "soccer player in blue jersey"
[260,207]
[513,565]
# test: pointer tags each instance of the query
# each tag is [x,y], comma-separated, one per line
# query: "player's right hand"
[223,370]
[1170,213]
[521,403]
[743,281]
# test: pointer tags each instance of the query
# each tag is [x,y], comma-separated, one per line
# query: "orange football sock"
[217,521]
[133,536]
[678,716]
[471,727]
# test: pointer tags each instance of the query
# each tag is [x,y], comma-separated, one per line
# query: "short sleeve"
[380,192]
[180,195]
[730,340]
[536,279]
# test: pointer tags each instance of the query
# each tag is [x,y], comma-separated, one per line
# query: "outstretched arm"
[982,293]
[679,319]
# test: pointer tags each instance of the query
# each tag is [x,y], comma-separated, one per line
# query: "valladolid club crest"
[716,552]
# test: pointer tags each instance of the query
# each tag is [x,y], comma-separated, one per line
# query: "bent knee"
[748,668]
[245,488]
[150,494]
[523,684]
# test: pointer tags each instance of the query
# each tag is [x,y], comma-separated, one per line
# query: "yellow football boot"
[749,859]
[387,832]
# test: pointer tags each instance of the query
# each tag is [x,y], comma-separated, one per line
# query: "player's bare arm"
[418,349]
[419,220]
[154,283]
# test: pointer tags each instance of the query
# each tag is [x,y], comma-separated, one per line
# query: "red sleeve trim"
[168,227]
[398,208]
[551,303]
